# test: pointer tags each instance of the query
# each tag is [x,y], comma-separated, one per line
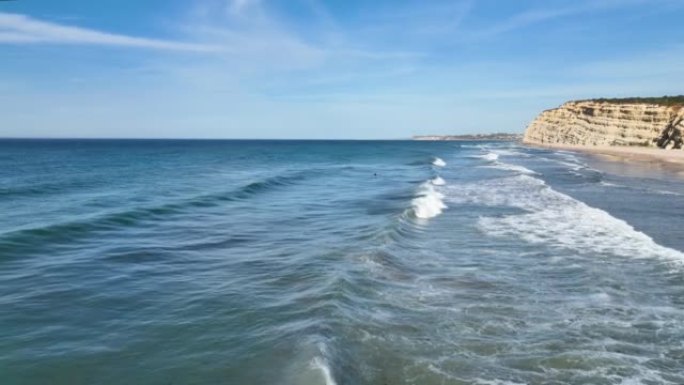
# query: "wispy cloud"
[259,39]
[524,19]
[238,7]
[540,15]
[22,29]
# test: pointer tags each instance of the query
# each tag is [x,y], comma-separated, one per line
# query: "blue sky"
[323,69]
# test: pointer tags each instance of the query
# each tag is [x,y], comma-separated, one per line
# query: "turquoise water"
[306,262]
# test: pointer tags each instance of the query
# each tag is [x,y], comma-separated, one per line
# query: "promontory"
[629,122]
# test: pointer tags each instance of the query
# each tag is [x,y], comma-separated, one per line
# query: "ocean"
[336,262]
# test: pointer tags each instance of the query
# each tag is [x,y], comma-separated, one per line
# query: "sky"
[315,69]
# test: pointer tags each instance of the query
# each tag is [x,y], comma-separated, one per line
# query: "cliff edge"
[617,122]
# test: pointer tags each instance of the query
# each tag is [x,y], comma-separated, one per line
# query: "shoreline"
[672,160]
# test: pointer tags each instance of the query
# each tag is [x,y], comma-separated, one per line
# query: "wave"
[512,167]
[572,161]
[111,221]
[438,181]
[428,203]
[268,183]
[153,253]
[321,364]
[470,145]
[490,157]
[646,190]
[382,262]
[493,160]
[511,152]
[496,382]
[664,192]
[609,184]
[42,189]
[310,366]
[556,220]
[439,162]
[572,165]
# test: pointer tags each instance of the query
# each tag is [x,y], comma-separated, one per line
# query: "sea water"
[336,262]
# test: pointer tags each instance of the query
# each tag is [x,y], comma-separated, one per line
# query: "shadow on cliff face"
[671,137]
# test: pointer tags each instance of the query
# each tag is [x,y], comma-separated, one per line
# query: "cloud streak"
[541,15]
[22,29]
[238,7]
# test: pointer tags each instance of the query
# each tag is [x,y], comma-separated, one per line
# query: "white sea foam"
[512,167]
[490,157]
[571,161]
[567,155]
[556,219]
[509,152]
[497,382]
[429,202]
[600,297]
[608,184]
[573,166]
[439,162]
[310,366]
[438,181]
[664,192]
[320,364]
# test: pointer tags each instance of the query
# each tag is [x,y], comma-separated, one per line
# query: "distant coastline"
[471,137]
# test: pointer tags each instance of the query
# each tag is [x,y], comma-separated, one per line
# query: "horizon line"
[203,139]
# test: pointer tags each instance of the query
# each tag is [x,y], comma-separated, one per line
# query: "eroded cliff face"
[590,123]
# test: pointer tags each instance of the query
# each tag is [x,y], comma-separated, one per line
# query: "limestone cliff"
[606,123]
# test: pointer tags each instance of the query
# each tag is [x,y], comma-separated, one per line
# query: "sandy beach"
[668,159]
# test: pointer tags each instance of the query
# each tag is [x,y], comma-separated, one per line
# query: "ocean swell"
[67,231]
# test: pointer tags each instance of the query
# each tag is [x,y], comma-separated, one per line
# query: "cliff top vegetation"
[677,100]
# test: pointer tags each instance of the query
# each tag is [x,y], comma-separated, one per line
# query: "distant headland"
[471,137]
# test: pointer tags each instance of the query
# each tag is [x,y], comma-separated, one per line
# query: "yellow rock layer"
[589,123]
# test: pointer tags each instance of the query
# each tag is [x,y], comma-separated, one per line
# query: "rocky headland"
[634,122]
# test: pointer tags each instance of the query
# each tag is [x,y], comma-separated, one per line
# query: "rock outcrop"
[605,123]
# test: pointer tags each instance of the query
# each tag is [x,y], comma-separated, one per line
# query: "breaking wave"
[321,365]
[428,202]
[555,219]
[438,181]
[310,366]
[490,157]
[512,167]
[493,159]
[439,162]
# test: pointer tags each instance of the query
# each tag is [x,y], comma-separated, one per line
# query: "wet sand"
[667,160]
